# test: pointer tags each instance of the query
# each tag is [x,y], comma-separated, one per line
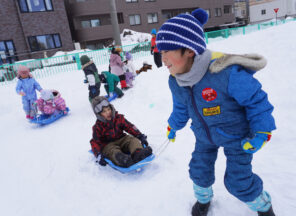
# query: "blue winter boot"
[268,213]
[262,204]
[204,197]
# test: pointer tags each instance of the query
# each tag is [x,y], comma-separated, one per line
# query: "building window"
[120,18]
[218,12]
[44,42]
[7,52]
[35,5]
[90,23]
[152,18]
[263,12]
[208,12]
[129,1]
[135,19]
[167,15]
[227,9]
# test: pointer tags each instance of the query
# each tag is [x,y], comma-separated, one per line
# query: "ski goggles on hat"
[99,107]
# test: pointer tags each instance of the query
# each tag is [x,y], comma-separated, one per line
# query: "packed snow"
[48,170]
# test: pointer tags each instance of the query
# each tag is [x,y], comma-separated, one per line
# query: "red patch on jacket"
[209,94]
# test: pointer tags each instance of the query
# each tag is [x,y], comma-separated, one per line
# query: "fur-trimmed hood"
[253,62]
[87,64]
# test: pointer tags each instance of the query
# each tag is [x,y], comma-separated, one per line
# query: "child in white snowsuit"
[26,87]
[129,70]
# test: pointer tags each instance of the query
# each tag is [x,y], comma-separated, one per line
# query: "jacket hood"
[97,100]
[253,62]
[87,64]
[113,58]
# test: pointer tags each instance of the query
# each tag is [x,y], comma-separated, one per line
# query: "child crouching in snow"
[26,87]
[110,84]
[109,138]
[51,102]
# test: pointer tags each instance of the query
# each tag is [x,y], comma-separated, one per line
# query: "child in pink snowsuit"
[51,102]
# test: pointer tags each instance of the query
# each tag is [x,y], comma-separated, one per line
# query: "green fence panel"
[57,64]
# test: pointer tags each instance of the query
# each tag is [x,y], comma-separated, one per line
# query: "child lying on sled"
[109,138]
[51,102]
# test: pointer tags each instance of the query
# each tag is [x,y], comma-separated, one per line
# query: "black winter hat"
[102,78]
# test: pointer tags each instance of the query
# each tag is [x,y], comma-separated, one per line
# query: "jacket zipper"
[205,125]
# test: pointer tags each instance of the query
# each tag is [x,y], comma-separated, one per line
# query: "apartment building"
[241,11]
[28,28]
[262,10]
[90,20]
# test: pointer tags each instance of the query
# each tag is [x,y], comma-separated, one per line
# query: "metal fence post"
[206,36]
[77,59]
[226,33]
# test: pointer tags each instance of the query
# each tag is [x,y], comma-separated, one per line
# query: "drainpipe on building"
[114,21]
[20,21]
[248,11]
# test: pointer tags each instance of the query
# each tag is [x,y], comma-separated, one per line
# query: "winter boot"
[200,209]
[268,213]
[121,95]
[123,160]
[28,116]
[123,84]
[141,154]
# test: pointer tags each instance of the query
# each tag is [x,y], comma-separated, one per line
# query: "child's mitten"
[143,139]
[252,145]
[93,92]
[171,134]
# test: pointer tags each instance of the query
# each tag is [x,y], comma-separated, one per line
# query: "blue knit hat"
[183,31]
[153,31]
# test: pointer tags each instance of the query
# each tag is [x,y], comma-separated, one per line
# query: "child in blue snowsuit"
[26,87]
[227,107]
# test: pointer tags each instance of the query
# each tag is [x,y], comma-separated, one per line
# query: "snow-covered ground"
[48,171]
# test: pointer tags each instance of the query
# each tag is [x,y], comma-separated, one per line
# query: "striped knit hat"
[183,31]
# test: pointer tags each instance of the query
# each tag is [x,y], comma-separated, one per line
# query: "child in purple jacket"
[129,70]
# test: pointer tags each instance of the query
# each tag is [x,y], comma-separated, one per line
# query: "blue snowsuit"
[29,87]
[225,107]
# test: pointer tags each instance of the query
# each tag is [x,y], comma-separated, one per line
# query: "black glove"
[151,51]
[93,92]
[102,161]
[143,139]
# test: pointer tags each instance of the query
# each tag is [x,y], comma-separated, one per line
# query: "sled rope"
[162,148]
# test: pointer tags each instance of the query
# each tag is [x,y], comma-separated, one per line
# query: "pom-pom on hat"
[128,56]
[183,31]
[153,31]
